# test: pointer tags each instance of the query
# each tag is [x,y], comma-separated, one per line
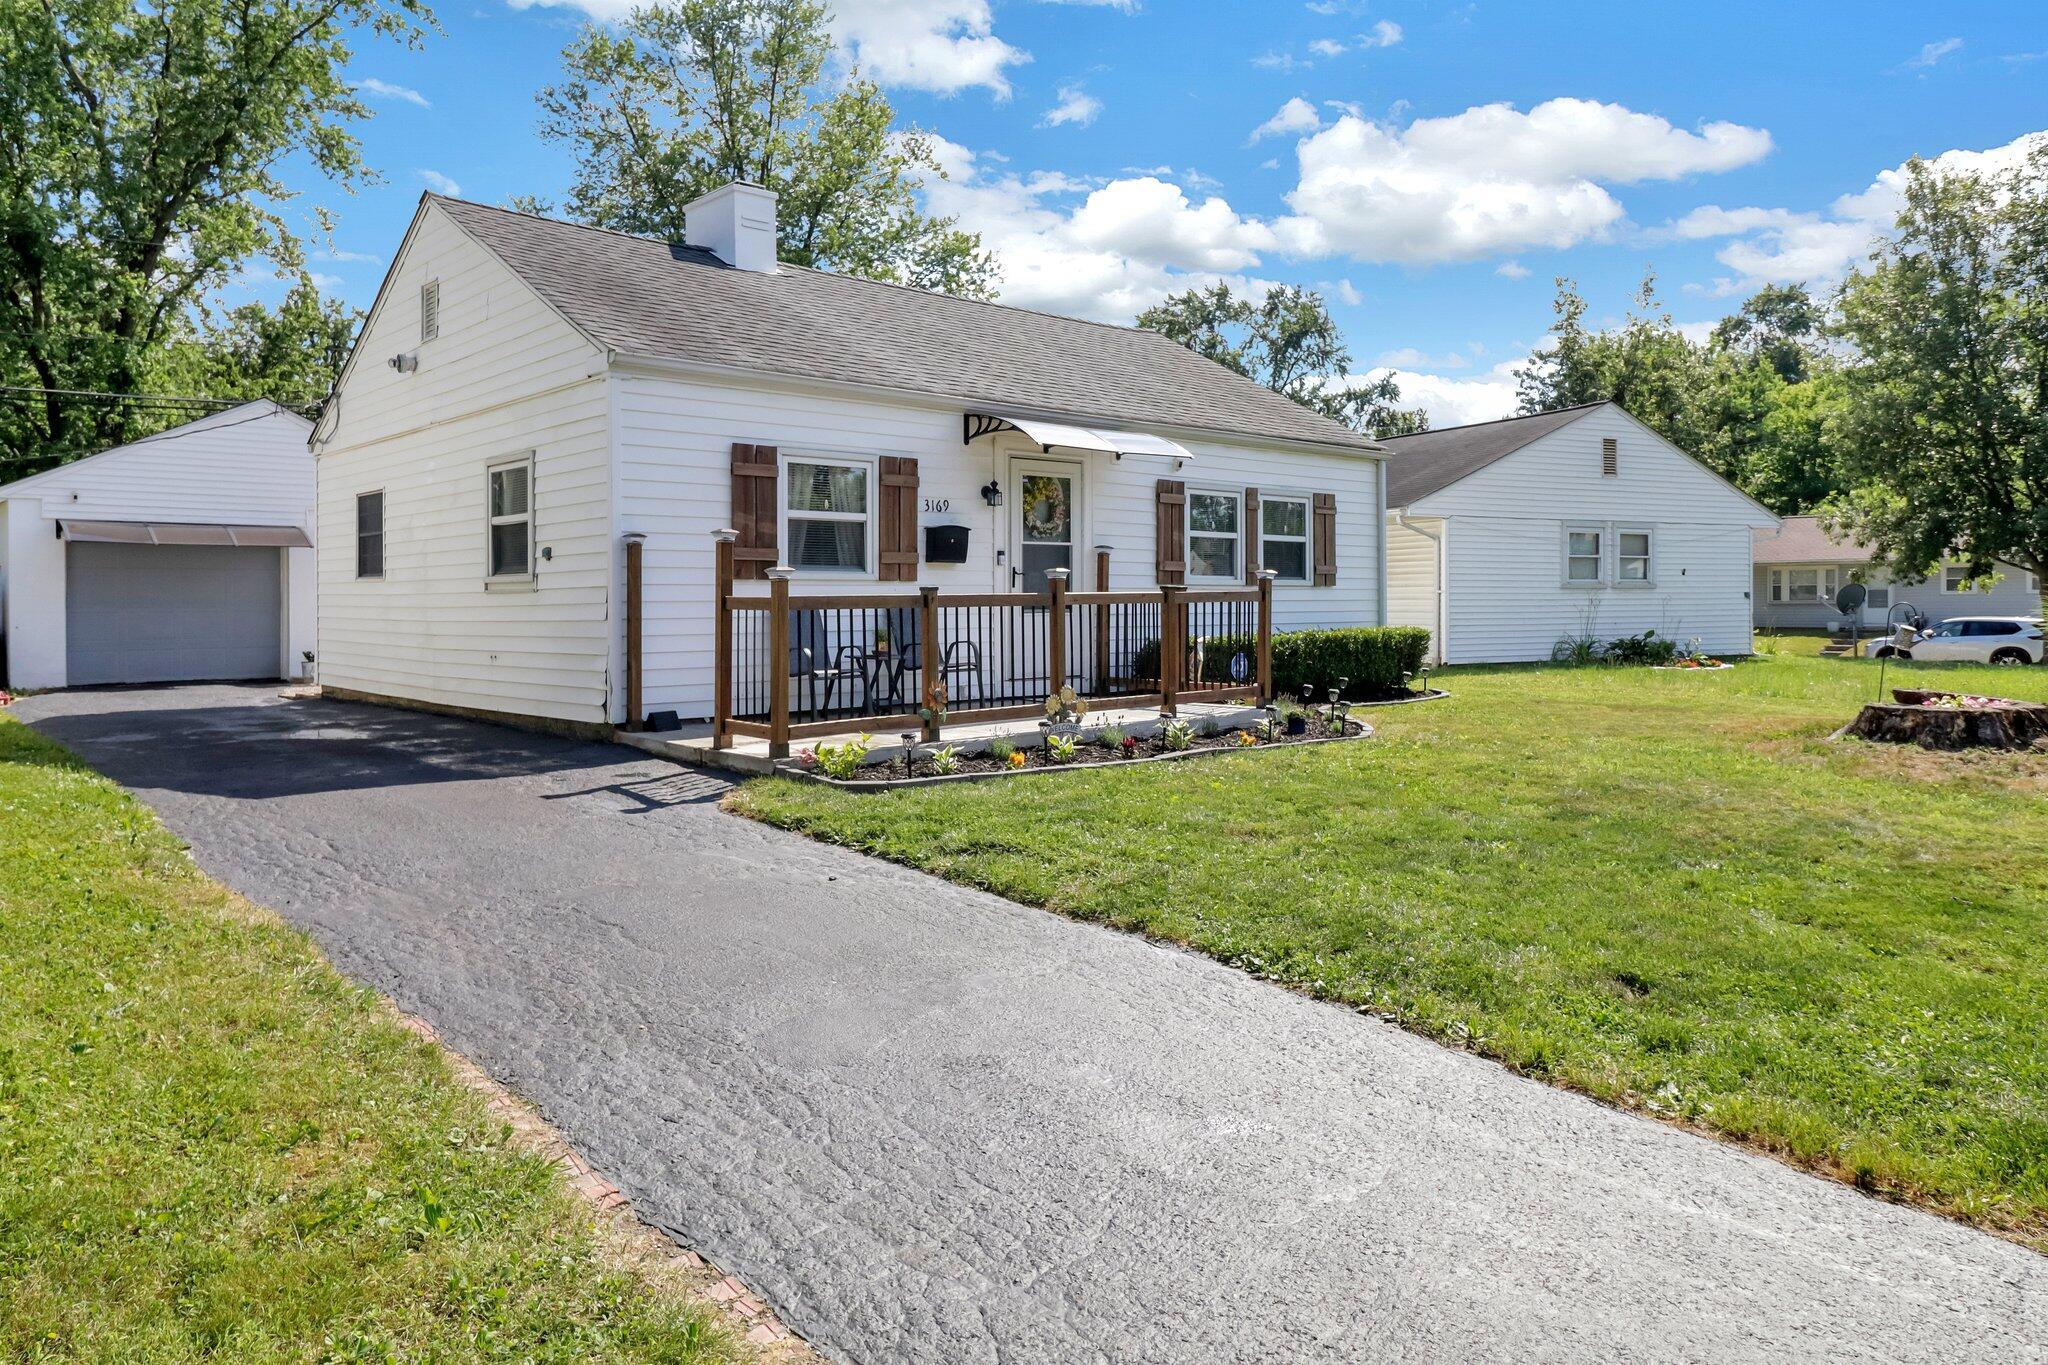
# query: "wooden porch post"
[1173,647]
[721,682]
[928,637]
[778,661]
[1102,622]
[1266,577]
[1056,626]
[634,630]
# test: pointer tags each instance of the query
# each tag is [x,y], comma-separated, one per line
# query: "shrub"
[1000,749]
[1373,657]
[946,760]
[1647,648]
[1575,649]
[1176,734]
[1110,737]
[843,761]
[1061,748]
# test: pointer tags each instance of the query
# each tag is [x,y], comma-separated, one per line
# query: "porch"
[957,667]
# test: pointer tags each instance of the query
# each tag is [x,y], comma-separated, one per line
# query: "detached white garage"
[181,557]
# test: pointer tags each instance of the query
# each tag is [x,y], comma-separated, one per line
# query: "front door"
[1045,521]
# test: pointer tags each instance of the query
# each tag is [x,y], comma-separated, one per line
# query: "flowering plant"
[1129,746]
[1016,758]
[1246,739]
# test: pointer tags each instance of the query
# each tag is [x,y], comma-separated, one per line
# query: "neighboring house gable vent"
[430,310]
[1610,457]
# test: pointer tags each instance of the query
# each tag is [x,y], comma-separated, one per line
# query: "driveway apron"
[928,1124]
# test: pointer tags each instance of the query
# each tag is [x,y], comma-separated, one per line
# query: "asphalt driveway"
[932,1125]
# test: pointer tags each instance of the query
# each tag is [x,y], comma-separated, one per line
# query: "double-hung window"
[1584,551]
[827,509]
[370,534]
[1215,535]
[1803,585]
[1955,578]
[511,518]
[1283,537]
[1632,557]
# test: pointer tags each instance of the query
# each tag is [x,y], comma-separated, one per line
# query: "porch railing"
[794,665]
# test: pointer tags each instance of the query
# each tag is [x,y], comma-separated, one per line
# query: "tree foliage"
[1288,342]
[1946,439]
[684,96]
[141,149]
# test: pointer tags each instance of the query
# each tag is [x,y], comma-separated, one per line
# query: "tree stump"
[2010,725]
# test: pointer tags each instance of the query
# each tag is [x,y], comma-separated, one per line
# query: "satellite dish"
[1849,597]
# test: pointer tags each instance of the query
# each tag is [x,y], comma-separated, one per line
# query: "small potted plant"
[882,637]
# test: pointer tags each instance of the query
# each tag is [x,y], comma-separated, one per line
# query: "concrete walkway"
[932,1125]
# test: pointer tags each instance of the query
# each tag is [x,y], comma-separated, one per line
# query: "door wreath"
[1045,508]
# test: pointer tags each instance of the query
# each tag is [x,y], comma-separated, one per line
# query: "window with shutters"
[1215,523]
[430,310]
[370,534]
[1283,536]
[1584,556]
[827,514]
[511,518]
[1632,559]
[1610,457]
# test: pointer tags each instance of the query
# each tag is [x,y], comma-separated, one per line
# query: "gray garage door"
[172,613]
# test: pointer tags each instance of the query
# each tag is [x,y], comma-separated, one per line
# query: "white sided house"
[180,557]
[528,397]
[1800,568]
[1504,538]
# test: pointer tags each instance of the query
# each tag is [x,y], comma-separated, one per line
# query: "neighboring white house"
[527,393]
[1504,538]
[1800,566]
[183,556]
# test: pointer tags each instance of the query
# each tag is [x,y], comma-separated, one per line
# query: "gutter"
[1435,538]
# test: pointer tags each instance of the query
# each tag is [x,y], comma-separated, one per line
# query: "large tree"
[141,149]
[1646,365]
[686,95]
[1287,341]
[1947,426]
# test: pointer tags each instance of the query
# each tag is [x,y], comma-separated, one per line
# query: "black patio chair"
[818,668]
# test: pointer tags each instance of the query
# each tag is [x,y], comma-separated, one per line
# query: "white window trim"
[529,517]
[1827,578]
[1600,578]
[383,535]
[1649,578]
[1307,539]
[1188,534]
[1947,591]
[870,519]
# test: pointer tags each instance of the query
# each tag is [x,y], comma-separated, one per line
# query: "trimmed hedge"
[1373,657]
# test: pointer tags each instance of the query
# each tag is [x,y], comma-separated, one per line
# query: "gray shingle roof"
[1801,540]
[1421,464]
[649,298]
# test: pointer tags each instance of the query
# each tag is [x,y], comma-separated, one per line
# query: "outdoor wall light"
[992,493]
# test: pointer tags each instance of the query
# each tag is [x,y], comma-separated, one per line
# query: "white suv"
[1974,639]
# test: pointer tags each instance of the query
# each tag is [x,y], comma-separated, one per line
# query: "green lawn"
[212,1146]
[1669,890]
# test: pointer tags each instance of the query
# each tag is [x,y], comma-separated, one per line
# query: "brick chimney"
[735,223]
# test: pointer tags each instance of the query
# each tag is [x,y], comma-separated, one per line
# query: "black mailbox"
[945,544]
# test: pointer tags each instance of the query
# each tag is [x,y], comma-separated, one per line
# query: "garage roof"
[183,533]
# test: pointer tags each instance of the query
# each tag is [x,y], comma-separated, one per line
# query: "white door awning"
[1049,434]
[183,533]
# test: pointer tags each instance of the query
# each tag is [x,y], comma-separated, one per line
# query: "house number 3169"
[938,504]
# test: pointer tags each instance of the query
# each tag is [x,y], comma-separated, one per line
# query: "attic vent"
[430,310]
[1610,457]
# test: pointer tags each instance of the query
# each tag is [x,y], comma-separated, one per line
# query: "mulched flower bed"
[1089,754]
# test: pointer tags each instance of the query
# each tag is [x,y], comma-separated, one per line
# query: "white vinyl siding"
[676,437]
[506,376]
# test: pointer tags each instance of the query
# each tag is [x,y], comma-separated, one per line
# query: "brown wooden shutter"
[1170,533]
[1326,540]
[897,560]
[1251,536]
[753,510]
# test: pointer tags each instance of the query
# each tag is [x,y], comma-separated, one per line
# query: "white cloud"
[1491,178]
[1384,34]
[1344,291]
[1327,47]
[1456,402]
[370,85]
[1076,106]
[1104,251]
[944,46]
[1279,61]
[1411,358]
[1295,116]
[1932,53]
[348,257]
[1781,246]
[1512,270]
[441,184]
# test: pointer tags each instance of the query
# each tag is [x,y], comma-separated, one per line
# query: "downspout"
[1436,539]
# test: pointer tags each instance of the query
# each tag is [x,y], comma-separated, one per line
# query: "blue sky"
[1432,167]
